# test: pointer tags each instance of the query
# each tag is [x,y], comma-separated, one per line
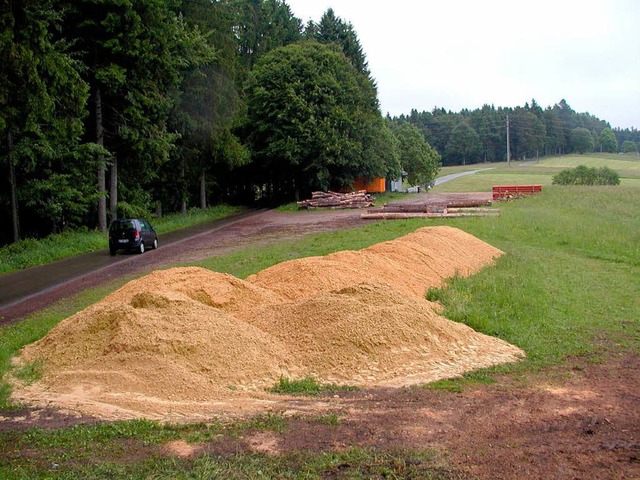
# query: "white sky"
[465,53]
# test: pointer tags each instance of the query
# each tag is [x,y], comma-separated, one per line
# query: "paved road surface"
[28,290]
[22,285]
[453,176]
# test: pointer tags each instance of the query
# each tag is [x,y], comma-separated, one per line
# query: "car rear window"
[120,225]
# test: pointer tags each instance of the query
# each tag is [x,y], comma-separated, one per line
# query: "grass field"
[567,287]
[625,165]
[538,172]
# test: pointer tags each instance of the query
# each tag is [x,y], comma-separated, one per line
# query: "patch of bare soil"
[186,343]
[579,420]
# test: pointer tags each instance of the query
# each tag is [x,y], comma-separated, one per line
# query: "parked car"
[131,234]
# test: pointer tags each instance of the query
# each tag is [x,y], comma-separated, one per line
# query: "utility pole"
[508,144]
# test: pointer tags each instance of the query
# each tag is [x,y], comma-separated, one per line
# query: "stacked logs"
[431,210]
[335,200]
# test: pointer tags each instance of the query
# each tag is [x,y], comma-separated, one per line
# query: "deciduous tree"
[581,140]
[464,143]
[629,147]
[608,141]
[312,116]
[417,157]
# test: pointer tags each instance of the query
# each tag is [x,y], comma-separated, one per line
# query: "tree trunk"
[203,191]
[183,206]
[102,168]
[15,220]
[113,189]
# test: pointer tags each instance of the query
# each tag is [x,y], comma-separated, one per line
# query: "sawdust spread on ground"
[187,343]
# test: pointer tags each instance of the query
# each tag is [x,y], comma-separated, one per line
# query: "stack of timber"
[335,200]
[432,210]
[511,192]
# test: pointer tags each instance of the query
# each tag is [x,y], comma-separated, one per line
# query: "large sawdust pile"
[215,289]
[188,341]
[411,264]
[370,334]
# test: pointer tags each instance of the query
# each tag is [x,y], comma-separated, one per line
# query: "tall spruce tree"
[41,100]
[263,25]
[332,29]
[135,55]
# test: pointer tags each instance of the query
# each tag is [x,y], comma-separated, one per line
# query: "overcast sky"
[465,53]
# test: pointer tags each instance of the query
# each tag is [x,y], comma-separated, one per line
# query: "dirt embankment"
[187,343]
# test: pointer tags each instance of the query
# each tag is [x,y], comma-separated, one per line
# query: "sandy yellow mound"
[370,334]
[157,344]
[410,264]
[188,341]
[215,289]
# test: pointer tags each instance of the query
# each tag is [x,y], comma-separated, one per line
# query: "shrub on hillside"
[582,175]
[629,147]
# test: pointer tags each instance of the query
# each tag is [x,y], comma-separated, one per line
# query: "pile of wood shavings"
[188,342]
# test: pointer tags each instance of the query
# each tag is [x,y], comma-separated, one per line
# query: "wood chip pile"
[336,200]
[188,343]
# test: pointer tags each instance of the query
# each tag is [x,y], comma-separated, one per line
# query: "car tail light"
[137,234]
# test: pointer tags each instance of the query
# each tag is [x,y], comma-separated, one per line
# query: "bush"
[582,175]
[629,147]
[607,176]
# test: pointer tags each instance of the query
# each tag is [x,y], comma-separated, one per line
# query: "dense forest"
[115,108]
[480,135]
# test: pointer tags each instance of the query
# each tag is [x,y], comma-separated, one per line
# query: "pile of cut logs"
[433,210]
[335,200]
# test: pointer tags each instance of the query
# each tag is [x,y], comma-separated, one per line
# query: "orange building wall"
[376,185]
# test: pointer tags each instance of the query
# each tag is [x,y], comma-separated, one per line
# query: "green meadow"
[538,172]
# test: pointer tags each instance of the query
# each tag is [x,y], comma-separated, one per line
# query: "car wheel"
[155,243]
[141,248]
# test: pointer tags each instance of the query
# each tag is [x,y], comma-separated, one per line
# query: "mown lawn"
[567,286]
[537,172]
[625,165]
